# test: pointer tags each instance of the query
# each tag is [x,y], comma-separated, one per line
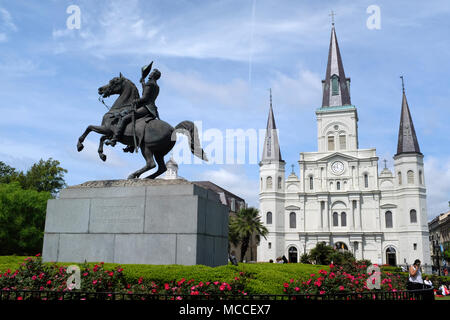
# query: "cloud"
[302,90]
[437,179]
[6,20]
[196,88]
[6,24]
[210,30]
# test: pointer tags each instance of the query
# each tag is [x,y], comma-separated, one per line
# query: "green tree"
[7,173]
[44,176]
[321,253]
[305,258]
[244,225]
[22,219]
[342,258]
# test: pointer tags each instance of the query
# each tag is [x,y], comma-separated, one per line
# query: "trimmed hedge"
[263,278]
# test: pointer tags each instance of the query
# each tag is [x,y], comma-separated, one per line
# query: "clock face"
[337,167]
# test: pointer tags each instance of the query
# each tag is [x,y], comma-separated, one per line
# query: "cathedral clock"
[337,167]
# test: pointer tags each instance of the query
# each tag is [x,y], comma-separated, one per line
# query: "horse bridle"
[103,101]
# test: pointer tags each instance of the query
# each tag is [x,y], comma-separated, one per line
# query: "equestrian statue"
[134,121]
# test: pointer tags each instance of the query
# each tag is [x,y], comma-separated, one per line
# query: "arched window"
[420,177]
[311,183]
[279,182]
[261,186]
[269,183]
[338,185]
[343,219]
[410,176]
[330,143]
[269,218]
[388,219]
[292,220]
[366,180]
[413,216]
[335,219]
[399,174]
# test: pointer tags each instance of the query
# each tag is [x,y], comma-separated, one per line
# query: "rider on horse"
[145,106]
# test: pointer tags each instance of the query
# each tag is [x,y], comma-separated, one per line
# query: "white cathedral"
[339,197]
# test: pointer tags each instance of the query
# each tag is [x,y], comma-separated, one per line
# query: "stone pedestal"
[137,222]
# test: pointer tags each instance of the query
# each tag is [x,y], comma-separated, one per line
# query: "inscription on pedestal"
[117,215]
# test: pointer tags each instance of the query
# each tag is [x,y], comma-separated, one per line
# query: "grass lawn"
[266,278]
[443,298]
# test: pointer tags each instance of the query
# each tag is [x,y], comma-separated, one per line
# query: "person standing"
[415,281]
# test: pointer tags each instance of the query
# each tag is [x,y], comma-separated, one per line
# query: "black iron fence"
[26,295]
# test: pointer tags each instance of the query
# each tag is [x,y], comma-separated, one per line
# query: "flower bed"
[33,275]
[342,280]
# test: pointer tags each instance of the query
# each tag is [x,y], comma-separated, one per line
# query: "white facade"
[339,196]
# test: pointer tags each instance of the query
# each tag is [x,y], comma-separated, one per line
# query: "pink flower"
[286,285]
[341,288]
[166,286]
[94,282]
[322,292]
[49,282]
[34,277]
[297,289]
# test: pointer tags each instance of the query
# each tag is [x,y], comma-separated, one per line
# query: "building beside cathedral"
[338,196]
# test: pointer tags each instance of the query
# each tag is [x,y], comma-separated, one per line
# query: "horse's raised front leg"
[100,148]
[99,129]
[150,163]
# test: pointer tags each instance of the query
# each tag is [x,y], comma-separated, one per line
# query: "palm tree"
[243,226]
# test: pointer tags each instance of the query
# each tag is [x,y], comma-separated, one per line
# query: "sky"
[218,60]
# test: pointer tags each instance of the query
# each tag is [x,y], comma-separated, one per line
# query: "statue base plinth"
[137,222]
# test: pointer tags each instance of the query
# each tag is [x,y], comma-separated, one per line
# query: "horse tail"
[189,129]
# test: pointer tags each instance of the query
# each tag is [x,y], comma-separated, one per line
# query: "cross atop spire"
[403,84]
[332,14]
[385,165]
[271,151]
[336,91]
[270,90]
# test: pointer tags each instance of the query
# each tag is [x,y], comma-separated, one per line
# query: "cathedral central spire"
[336,87]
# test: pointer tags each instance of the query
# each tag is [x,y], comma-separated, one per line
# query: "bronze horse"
[155,137]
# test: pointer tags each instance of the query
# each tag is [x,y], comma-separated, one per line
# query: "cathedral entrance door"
[292,255]
[391,257]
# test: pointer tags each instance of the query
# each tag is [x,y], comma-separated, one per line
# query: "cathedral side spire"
[336,87]
[271,151]
[407,139]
